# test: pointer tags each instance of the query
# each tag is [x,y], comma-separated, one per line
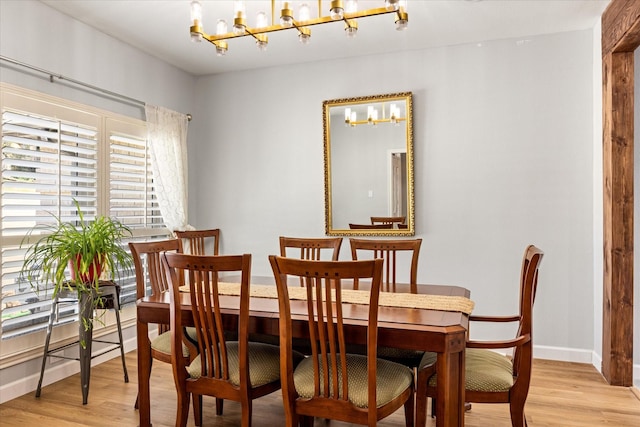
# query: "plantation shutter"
[46,164]
[131,194]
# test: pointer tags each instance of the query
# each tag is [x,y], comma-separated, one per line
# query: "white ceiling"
[161,28]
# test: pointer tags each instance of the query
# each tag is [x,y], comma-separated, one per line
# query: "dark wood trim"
[619,26]
[620,37]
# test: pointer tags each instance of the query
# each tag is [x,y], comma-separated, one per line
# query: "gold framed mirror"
[368,165]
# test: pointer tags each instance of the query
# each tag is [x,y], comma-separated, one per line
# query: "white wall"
[503,158]
[33,33]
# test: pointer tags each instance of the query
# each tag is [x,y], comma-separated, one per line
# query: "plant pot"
[94,271]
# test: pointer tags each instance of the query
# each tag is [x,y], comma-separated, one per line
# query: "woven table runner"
[350,296]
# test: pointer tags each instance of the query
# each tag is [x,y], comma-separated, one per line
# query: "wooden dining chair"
[395,253]
[199,242]
[311,248]
[236,370]
[149,271]
[331,383]
[491,377]
[393,220]
[391,251]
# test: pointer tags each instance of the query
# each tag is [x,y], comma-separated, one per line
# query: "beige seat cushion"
[162,343]
[485,370]
[264,364]
[392,379]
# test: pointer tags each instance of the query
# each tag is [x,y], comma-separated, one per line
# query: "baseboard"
[57,372]
[566,354]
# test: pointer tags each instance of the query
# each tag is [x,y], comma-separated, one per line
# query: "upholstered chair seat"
[392,379]
[485,371]
[162,343]
[264,364]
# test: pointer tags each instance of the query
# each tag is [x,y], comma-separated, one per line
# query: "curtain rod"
[53,76]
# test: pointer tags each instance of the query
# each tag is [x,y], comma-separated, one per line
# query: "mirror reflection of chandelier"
[340,10]
[373,116]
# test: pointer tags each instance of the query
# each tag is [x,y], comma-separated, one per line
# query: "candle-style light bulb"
[196,20]
[286,15]
[304,13]
[337,11]
[261,20]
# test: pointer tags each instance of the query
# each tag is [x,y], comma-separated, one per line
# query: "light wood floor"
[562,394]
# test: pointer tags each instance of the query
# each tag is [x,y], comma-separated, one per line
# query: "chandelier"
[346,11]
[351,116]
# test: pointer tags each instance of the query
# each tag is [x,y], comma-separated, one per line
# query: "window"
[55,151]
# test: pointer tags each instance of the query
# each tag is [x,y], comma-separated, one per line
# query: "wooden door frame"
[620,38]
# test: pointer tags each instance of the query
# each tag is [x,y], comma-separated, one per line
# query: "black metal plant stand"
[109,292]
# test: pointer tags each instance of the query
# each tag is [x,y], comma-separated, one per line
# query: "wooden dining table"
[443,332]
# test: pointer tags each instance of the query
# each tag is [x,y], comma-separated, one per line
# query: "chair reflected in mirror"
[395,221]
[370,226]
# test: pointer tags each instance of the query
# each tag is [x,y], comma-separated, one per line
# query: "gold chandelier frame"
[260,33]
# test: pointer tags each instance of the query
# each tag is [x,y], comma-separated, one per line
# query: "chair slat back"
[146,261]
[389,251]
[311,248]
[323,283]
[314,249]
[202,272]
[199,242]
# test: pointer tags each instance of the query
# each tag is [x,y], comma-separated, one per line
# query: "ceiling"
[161,28]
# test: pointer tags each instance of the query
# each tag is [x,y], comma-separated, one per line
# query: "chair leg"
[409,411]
[306,421]
[219,406]
[183,408]
[517,414]
[197,408]
[245,413]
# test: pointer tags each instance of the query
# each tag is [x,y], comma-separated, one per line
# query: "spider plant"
[88,249]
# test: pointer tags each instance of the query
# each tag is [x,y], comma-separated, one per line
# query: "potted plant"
[87,249]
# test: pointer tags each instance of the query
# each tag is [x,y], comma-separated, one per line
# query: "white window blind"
[54,152]
[131,194]
[46,163]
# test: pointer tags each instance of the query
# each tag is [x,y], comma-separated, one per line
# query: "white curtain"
[167,134]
